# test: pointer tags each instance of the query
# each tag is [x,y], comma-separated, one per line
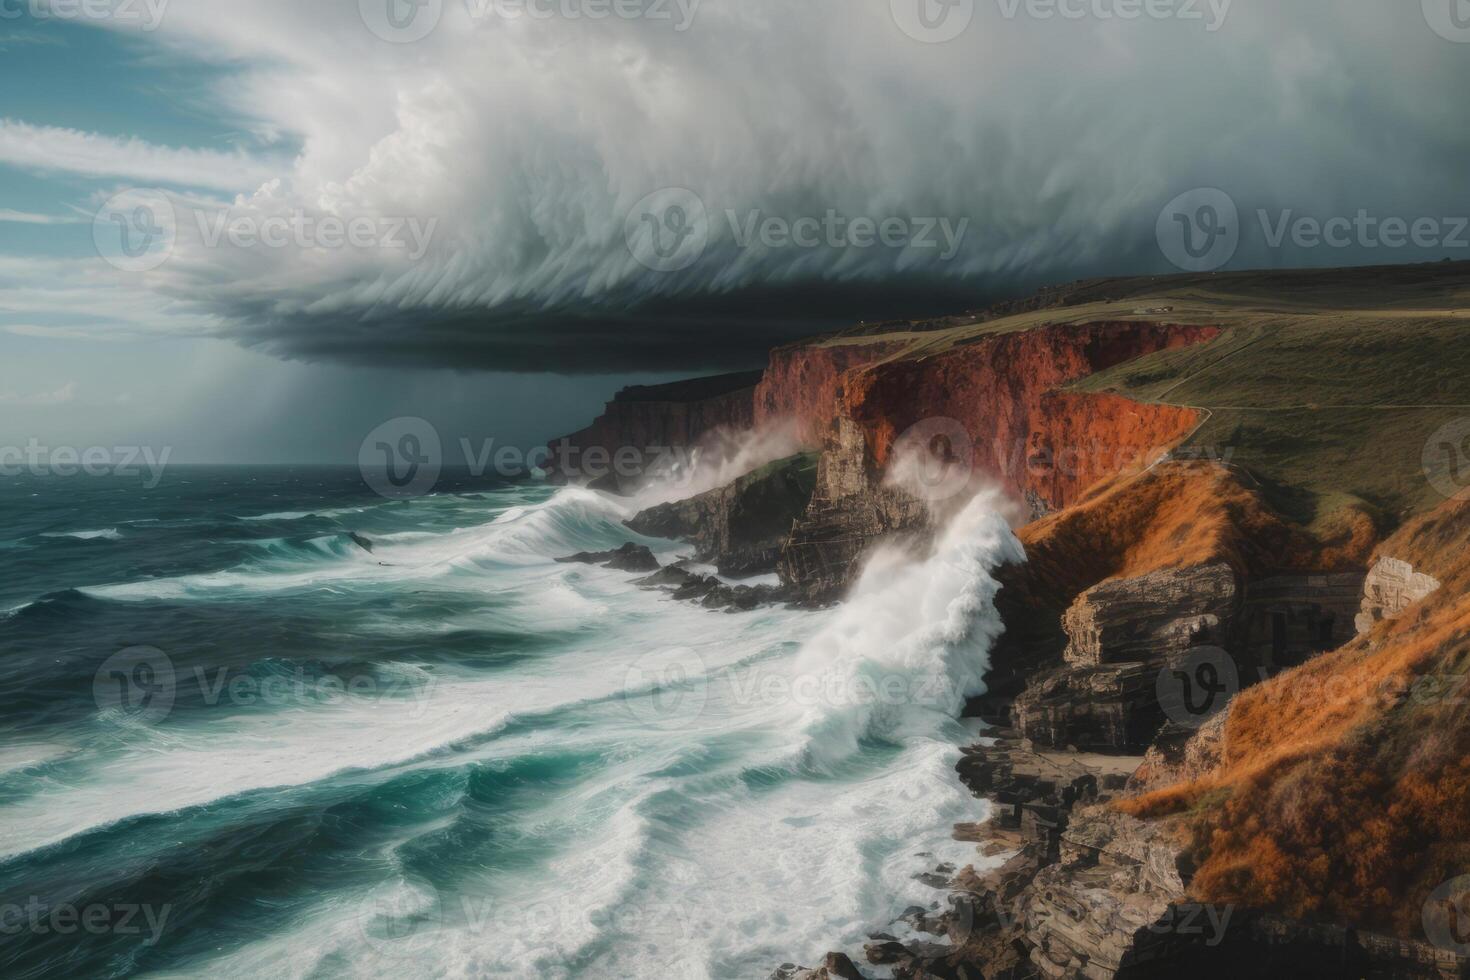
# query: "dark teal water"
[237,742]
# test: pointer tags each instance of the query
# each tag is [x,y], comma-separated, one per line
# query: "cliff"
[804,382]
[1216,686]
[1340,790]
[643,425]
[1135,580]
[992,409]
[1045,446]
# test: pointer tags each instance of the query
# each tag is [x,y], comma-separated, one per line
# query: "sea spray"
[721,458]
[917,633]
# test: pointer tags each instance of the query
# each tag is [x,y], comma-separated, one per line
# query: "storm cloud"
[684,188]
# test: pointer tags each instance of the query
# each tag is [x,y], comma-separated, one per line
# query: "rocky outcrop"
[1153,618]
[1090,892]
[629,558]
[1357,761]
[1392,587]
[741,528]
[1120,635]
[1179,753]
[836,966]
[711,593]
[1109,901]
[851,514]
[992,405]
[1113,708]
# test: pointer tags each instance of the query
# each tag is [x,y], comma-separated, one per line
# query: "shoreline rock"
[629,558]
[742,527]
[1090,892]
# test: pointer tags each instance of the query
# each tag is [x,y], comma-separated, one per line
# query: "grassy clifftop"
[1327,386]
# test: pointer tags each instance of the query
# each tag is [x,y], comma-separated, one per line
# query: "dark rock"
[629,558]
[697,587]
[742,527]
[633,558]
[1111,708]
[742,598]
[711,592]
[851,514]
[1120,635]
[839,965]
[1154,618]
[883,953]
[924,920]
[928,951]
[630,442]
[668,577]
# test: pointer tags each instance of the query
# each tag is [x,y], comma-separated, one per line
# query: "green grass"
[1326,385]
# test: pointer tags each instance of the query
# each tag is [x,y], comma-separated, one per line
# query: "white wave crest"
[912,643]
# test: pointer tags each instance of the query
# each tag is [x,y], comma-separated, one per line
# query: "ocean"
[259,722]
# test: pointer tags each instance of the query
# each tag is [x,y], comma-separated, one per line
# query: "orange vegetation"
[1343,787]
[1177,515]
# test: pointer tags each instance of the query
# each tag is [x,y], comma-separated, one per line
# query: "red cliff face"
[1046,446]
[803,384]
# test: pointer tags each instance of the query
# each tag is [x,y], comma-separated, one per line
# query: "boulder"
[1392,586]
[884,953]
[852,512]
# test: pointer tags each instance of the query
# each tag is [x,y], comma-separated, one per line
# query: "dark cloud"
[539,151]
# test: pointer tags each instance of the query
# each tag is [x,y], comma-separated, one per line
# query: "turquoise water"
[245,745]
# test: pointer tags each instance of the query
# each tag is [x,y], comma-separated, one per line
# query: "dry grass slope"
[1343,790]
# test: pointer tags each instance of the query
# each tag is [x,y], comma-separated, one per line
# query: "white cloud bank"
[531,142]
